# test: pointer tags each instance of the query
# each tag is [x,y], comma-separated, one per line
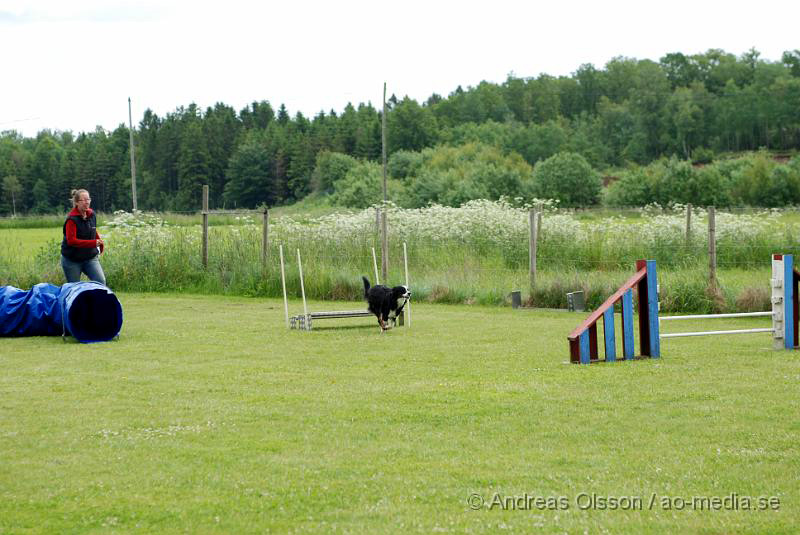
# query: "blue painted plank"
[652,308]
[788,301]
[585,359]
[627,323]
[608,331]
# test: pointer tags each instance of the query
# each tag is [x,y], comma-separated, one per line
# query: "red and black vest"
[85,229]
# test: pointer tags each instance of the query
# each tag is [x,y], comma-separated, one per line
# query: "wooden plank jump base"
[304,322]
[583,341]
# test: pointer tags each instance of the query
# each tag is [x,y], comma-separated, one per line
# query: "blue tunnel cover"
[88,311]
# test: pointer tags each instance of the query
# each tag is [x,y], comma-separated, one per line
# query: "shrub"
[404,163]
[454,175]
[362,186]
[331,167]
[538,142]
[568,177]
[702,155]
[631,189]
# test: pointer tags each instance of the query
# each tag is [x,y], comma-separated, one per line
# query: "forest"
[480,142]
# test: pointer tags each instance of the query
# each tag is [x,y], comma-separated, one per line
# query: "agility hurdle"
[784,311]
[305,321]
[583,340]
[583,346]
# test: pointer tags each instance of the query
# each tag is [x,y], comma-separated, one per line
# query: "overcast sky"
[72,64]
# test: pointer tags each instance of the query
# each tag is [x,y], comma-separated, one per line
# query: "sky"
[72,65]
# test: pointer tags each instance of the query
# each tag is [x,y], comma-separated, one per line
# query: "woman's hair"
[75,194]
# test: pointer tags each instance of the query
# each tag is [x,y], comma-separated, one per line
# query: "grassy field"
[27,241]
[442,272]
[208,416]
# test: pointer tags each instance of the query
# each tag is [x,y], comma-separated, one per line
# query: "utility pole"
[133,158]
[383,141]
[384,230]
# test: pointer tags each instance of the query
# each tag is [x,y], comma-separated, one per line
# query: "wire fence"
[478,253]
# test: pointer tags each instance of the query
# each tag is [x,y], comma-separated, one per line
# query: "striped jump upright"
[785,280]
[583,344]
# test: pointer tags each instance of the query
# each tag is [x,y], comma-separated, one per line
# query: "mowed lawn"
[209,416]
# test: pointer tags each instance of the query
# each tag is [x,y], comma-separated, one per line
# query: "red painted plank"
[644,320]
[594,316]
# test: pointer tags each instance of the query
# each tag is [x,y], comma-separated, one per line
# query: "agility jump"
[583,340]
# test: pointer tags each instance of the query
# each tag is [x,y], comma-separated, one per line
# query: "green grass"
[208,416]
[309,207]
[26,241]
[454,274]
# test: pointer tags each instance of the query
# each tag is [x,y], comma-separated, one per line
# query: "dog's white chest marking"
[400,303]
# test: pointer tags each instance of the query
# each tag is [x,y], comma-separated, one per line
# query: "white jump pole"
[375,266]
[302,285]
[708,316]
[717,316]
[283,282]
[706,333]
[405,263]
[783,300]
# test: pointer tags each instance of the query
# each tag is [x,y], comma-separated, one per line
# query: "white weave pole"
[405,263]
[375,266]
[283,282]
[302,285]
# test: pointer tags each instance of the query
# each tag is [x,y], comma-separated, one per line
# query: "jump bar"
[711,316]
[704,333]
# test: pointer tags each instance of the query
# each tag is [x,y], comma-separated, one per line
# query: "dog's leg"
[381,323]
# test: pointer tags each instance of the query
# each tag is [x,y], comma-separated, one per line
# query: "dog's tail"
[366,285]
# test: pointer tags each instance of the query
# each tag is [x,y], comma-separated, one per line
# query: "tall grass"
[183,219]
[474,254]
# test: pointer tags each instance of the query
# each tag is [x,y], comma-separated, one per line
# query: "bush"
[568,177]
[760,181]
[331,167]
[362,186]
[452,176]
[702,155]
[404,163]
[538,142]
[631,189]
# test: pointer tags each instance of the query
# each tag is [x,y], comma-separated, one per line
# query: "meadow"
[209,416]
[475,254]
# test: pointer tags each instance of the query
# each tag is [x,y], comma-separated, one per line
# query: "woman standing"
[81,243]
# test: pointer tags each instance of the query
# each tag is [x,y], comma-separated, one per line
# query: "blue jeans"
[92,268]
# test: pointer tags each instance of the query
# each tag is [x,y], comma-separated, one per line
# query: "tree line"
[631,111]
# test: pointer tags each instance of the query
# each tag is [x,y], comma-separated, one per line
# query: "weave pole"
[375,267]
[302,285]
[283,283]
[405,263]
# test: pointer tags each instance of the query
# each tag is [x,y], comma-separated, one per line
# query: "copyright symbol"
[475,501]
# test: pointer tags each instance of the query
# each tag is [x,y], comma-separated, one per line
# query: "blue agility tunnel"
[88,311]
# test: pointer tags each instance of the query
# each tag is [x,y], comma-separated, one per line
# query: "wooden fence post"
[205,226]
[712,247]
[532,248]
[265,238]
